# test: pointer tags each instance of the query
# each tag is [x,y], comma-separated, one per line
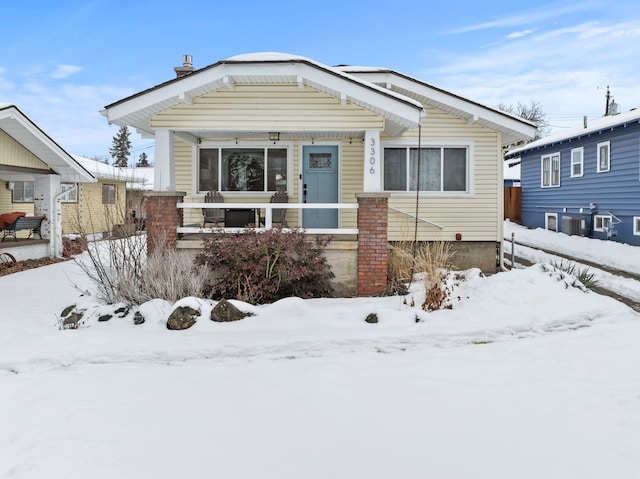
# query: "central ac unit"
[574,225]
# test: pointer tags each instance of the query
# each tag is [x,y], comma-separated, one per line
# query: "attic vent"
[186,68]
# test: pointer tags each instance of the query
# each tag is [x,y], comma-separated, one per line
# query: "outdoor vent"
[574,225]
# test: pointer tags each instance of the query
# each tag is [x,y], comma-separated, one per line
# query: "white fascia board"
[467,109]
[40,144]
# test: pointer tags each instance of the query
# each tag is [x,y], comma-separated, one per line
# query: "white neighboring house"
[33,168]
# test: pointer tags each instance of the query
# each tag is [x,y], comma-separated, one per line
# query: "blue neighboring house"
[585,180]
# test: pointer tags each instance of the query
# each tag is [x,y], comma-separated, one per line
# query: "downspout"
[57,215]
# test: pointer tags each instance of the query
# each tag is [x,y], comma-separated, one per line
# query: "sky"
[527,377]
[62,62]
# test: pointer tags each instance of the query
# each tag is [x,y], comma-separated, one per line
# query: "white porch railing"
[268,217]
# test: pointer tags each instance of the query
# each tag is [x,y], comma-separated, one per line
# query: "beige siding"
[14,154]
[89,215]
[265,108]
[475,217]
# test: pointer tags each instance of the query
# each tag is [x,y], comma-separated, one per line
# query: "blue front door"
[320,185]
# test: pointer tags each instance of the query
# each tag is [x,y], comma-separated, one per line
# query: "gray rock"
[224,312]
[372,318]
[183,317]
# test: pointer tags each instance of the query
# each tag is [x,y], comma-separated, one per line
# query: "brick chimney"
[186,68]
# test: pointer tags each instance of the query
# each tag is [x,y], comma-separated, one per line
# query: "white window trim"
[608,145]
[241,144]
[64,198]
[546,221]
[636,225]
[469,145]
[23,200]
[602,222]
[581,162]
[550,156]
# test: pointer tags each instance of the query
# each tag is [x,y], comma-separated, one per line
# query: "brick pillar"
[372,242]
[163,217]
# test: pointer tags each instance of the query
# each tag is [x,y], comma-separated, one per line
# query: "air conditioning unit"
[574,225]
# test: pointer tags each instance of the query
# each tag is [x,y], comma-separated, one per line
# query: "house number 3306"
[372,155]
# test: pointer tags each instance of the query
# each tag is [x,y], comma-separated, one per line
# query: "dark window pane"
[395,169]
[276,169]
[455,169]
[208,170]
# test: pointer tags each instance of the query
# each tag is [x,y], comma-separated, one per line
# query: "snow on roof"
[134,177]
[594,126]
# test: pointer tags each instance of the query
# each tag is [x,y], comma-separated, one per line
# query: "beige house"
[96,208]
[330,137]
[34,170]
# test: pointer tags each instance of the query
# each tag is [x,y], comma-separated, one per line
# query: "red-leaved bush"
[262,267]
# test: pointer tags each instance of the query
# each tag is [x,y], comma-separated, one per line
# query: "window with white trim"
[551,221]
[604,156]
[550,166]
[242,169]
[442,169]
[601,222]
[577,161]
[636,225]
[70,193]
[22,192]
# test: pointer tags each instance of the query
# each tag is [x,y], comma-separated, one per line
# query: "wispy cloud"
[526,17]
[64,71]
[520,34]
[561,68]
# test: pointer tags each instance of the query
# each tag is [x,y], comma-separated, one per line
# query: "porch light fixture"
[274,136]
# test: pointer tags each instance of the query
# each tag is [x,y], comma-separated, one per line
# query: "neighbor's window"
[551,221]
[551,170]
[70,193]
[22,192]
[577,160]
[242,169]
[636,225]
[441,169]
[604,160]
[601,222]
[108,194]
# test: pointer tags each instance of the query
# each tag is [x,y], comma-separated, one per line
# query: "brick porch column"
[372,242]
[163,217]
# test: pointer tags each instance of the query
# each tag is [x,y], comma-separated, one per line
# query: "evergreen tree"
[142,161]
[120,149]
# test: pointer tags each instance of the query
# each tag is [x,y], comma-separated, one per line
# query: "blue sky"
[61,62]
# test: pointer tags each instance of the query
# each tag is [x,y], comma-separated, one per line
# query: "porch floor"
[11,243]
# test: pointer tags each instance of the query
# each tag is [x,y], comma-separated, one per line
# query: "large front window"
[442,169]
[242,169]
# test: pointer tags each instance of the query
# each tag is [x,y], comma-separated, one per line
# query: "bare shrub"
[432,260]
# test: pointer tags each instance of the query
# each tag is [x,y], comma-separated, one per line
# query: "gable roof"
[400,112]
[17,125]
[596,126]
[513,128]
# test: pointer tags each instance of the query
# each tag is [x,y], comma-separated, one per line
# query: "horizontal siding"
[476,217]
[264,108]
[14,154]
[89,215]
[617,190]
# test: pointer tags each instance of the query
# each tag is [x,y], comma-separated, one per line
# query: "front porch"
[25,248]
[358,256]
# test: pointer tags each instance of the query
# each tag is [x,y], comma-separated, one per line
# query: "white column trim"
[372,180]
[164,168]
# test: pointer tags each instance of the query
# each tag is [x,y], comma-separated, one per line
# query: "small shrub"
[584,276]
[262,267]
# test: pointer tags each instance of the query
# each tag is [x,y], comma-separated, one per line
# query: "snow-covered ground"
[526,377]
